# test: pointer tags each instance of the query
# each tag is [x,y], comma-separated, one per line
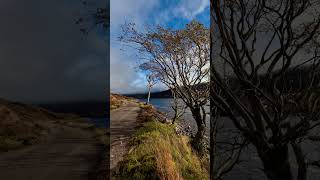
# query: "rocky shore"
[187,126]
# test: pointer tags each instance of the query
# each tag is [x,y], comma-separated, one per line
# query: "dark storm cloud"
[44,56]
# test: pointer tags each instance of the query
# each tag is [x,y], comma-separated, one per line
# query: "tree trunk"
[199,137]
[213,134]
[276,163]
[149,92]
[300,158]
[174,117]
[177,114]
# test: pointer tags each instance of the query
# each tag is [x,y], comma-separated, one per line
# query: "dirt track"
[123,126]
[70,153]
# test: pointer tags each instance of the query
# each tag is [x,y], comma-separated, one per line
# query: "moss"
[159,153]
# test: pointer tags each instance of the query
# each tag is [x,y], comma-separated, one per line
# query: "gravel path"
[123,125]
[70,153]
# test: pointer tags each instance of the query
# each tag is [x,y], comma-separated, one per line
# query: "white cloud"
[189,9]
[123,75]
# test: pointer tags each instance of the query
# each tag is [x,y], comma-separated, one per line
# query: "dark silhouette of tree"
[93,17]
[260,41]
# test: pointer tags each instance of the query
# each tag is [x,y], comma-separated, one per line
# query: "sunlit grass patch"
[117,101]
[159,153]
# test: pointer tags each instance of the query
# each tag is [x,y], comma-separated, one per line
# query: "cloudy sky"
[43,55]
[124,76]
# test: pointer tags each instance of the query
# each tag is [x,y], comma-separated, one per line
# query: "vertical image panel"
[54,81]
[159,101]
[264,89]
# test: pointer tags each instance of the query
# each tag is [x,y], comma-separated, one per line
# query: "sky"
[124,75]
[44,57]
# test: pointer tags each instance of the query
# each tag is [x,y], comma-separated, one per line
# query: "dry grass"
[117,100]
[22,125]
[166,166]
[18,130]
[157,152]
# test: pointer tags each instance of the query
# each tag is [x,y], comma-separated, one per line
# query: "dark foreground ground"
[70,153]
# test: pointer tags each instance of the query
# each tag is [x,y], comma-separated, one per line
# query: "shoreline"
[185,125]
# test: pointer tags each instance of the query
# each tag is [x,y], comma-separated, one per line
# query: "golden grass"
[159,153]
[117,100]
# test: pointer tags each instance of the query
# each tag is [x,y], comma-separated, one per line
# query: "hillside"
[117,100]
[22,124]
[161,94]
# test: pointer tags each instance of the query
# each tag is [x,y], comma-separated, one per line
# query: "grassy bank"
[157,152]
[18,127]
[117,100]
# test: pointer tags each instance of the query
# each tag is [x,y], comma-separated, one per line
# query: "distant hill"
[161,94]
[95,109]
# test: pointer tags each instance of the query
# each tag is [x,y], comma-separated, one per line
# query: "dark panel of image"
[265,89]
[54,71]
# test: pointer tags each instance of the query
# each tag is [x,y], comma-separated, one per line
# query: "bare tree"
[260,41]
[94,16]
[181,59]
[151,82]
[226,143]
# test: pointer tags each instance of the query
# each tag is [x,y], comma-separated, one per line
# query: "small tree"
[180,58]
[151,79]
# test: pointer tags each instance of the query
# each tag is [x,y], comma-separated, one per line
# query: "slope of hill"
[22,124]
[117,100]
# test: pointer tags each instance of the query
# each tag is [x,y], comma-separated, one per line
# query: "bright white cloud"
[123,76]
[189,9]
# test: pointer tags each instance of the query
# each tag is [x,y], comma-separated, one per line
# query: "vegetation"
[157,152]
[117,100]
[151,82]
[18,127]
[180,60]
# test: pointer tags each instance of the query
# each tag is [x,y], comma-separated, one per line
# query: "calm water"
[165,105]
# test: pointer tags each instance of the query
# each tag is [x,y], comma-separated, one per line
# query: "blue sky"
[124,76]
